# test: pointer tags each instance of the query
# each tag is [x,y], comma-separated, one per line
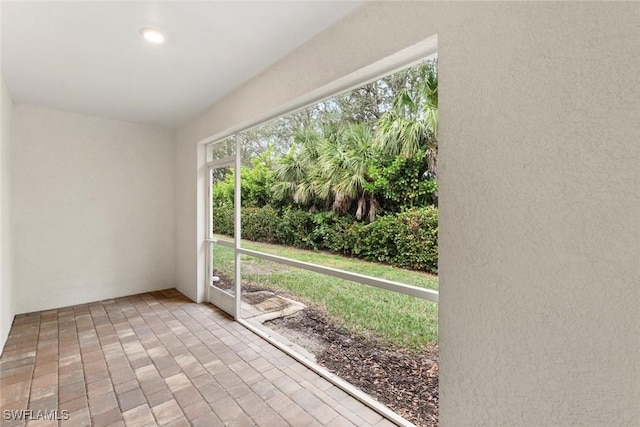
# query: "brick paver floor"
[159,359]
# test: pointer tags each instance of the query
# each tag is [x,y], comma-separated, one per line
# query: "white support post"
[237,229]
[209,246]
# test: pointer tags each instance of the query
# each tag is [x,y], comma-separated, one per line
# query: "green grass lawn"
[389,317]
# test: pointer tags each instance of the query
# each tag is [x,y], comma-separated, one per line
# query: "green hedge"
[223,220]
[334,232]
[294,228]
[407,239]
[260,224]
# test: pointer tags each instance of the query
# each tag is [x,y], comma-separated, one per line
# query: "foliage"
[354,174]
[222,217]
[334,232]
[256,182]
[411,124]
[294,227]
[329,168]
[406,239]
[297,173]
[382,154]
[260,224]
[222,192]
[401,183]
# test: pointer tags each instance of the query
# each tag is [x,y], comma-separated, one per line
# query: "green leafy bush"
[257,180]
[408,239]
[260,224]
[294,228]
[223,220]
[333,232]
[222,191]
[401,183]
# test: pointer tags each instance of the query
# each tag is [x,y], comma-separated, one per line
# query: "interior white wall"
[539,200]
[190,230]
[93,204]
[7,307]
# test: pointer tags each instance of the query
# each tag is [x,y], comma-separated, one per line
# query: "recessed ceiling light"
[152,35]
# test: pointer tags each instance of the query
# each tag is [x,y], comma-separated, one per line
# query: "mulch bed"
[406,382]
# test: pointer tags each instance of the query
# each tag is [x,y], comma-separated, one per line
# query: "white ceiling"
[88,57]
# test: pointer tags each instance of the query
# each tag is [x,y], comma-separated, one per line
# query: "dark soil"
[405,381]
[226,283]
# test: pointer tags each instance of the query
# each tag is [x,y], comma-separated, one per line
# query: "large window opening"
[323,227]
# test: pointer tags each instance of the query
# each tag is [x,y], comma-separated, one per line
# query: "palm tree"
[330,166]
[296,170]
[344,165]
[411,124]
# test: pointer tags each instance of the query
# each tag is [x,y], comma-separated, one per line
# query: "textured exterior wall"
[7,307]
[540,196]
[93,208]
[540,209]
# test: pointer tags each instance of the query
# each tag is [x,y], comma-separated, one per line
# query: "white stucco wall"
[7,308]
[190,229]
[539,197]
[93,208]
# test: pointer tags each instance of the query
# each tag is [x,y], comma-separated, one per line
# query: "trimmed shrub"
[408,239]
[294,228]
[223,220]
[260,224]
[333,232]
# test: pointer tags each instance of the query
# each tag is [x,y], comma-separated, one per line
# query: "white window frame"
[401,60]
